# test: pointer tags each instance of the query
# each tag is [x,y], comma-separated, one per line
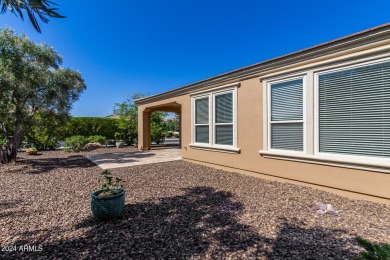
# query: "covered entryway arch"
[144,122]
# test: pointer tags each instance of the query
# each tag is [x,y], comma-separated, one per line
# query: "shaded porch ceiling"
[173,107]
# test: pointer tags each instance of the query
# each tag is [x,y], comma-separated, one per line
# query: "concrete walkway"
[117,160]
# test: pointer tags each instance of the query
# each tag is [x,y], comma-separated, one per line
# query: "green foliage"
[128,121]
[42,8]
[158,132]
[75,143]
[373,251]
[108,185]
[97,139]
[118,137]
[172,124]
[48,130]
[176,135]
[31,82]
[32,150]
[128,117]
[88,126]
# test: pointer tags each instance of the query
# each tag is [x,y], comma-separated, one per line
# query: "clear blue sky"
[122,47]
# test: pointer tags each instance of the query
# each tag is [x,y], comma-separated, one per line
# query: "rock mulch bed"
[174,210]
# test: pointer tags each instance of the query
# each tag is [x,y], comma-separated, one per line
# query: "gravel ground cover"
[174,210]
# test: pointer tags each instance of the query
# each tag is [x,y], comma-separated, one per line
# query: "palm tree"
[42,8]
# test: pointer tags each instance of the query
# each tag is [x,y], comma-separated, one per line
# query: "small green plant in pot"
[118,140]
[108,202]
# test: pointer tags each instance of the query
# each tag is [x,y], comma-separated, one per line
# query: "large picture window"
[354,111]
[214,120]
[286,115]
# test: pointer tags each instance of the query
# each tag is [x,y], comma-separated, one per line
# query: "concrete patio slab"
[127,159]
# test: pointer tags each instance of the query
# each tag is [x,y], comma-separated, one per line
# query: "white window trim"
[194,118]
[211,146]
[269,121]
[311,137]
[370,160]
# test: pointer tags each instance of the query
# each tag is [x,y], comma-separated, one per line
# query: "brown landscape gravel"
[174,210]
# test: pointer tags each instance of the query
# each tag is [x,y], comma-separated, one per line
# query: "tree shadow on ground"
[295,241]
[7,209]
[201,223]
[44,165]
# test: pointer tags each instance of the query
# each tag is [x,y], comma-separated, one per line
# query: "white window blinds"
[354,111]
[286,122]
[202,123]
[224,119]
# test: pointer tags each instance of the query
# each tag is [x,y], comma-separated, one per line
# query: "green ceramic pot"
[107,207]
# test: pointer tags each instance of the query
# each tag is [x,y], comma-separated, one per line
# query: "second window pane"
[287,136]
[224,108]
[202,134]
[224,134]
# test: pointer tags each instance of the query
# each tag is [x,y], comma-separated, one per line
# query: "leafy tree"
[42,8]
[158,127]
[31,82]
[173,124]
[48,130]
[128,116]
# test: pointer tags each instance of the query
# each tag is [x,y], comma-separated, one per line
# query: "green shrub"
[88,126]
[373,251]
[176,135]
[97,139]
[32,150]
[157,133]
[76,143]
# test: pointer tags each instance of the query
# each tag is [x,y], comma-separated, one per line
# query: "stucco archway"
[144,138]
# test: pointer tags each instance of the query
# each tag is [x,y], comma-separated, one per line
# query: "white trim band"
[378,166]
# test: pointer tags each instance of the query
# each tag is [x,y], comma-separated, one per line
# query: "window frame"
[234,116]
[311,113]
[270,122]
[211,94]
[346,157]
[194,119]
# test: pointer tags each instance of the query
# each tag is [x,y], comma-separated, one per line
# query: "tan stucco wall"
[250,141]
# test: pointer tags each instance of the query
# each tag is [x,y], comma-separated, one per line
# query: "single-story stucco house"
[318,117]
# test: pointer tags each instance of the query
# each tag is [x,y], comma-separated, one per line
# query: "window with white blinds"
[354,111]
[202,120]
[215,119]
[223,107]
[286,115]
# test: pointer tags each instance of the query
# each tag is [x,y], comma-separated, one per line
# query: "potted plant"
[118,140]
[108,202]
[32,151]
